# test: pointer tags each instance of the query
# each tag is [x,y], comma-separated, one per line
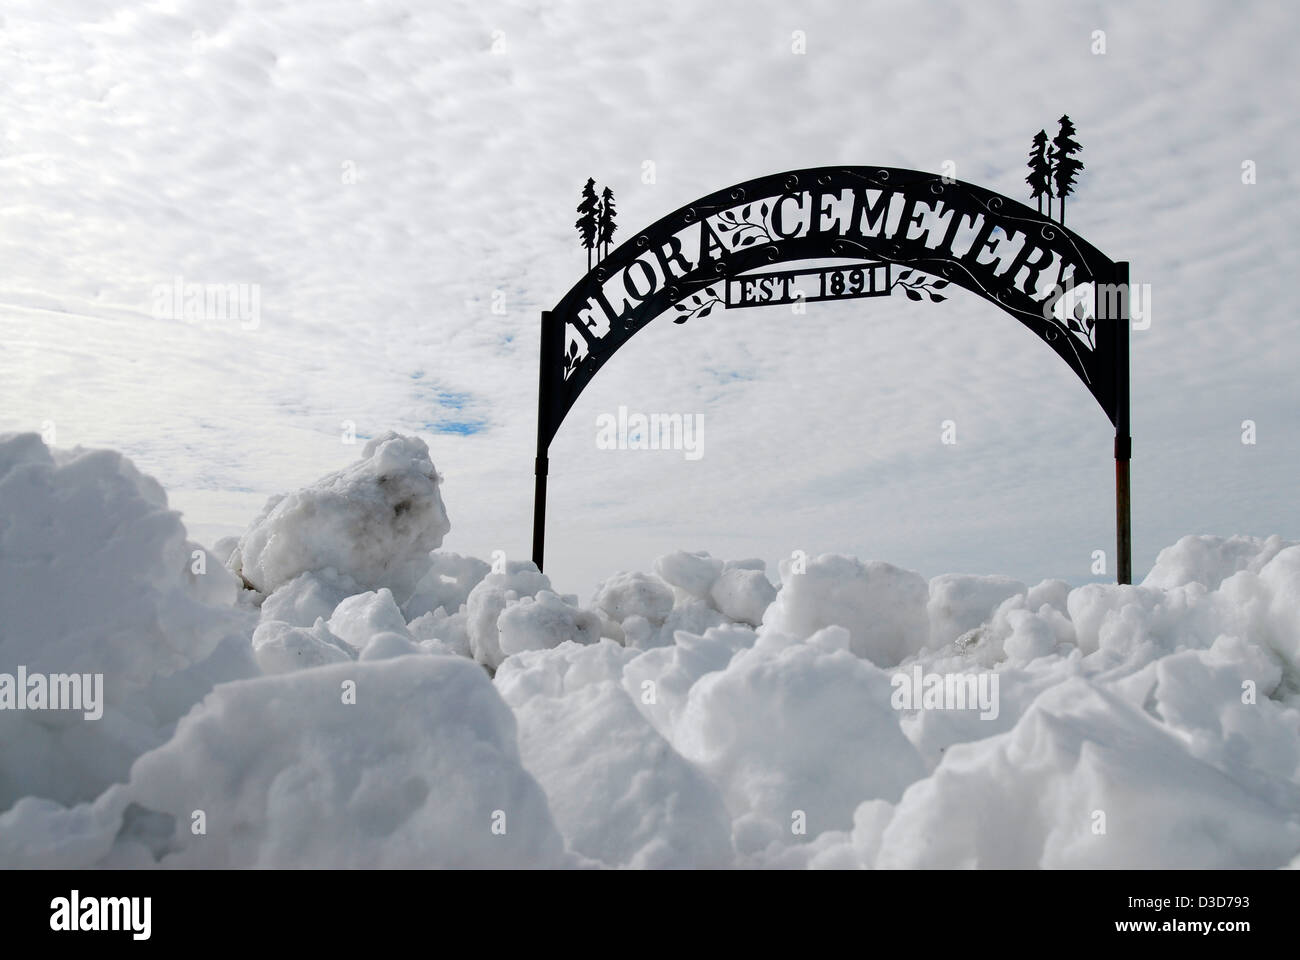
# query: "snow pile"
[1086,778]
[376,520]
[796,734]
[403,763]
[1211,560]
[411,762]
[352,569]
[417,707]
[97,577]
[619,792]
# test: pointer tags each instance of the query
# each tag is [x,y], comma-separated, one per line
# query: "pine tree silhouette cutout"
[587,224]
[607,215]
[1040,172]
[1066,168]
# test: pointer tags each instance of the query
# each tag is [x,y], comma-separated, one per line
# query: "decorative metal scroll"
[924,230]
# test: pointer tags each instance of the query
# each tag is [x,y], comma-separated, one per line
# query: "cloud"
[389,182]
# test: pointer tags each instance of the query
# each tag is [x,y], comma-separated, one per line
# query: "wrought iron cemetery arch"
[896,228]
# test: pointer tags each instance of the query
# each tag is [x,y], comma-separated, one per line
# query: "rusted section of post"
[1123,522]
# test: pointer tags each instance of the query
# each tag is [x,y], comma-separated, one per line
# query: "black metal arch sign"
[858,232]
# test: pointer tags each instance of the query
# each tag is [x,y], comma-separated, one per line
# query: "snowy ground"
[333,689]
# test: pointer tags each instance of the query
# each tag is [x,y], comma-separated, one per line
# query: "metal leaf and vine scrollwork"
[1082,325]
[743,230]
[698,306]
[923,284]
[571,359]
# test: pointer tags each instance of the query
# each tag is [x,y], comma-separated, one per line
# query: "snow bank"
[374,522]
[620,794]
[1211,560]
[97,577]
[410,762]
[1085,780]
[797,734]
[695,716]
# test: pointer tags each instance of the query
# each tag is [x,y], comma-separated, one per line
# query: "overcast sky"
[384,172]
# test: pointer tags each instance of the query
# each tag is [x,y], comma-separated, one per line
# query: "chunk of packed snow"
[438,648]
[1035,634]
[489,598]
[446,585]
[635,595]
[743,595]
[374,521]
[360,617]
[882,606]
[693,616]
[280,647]
[545,621]
[556,675]
[450,632]
[692,573]
[1054,593]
